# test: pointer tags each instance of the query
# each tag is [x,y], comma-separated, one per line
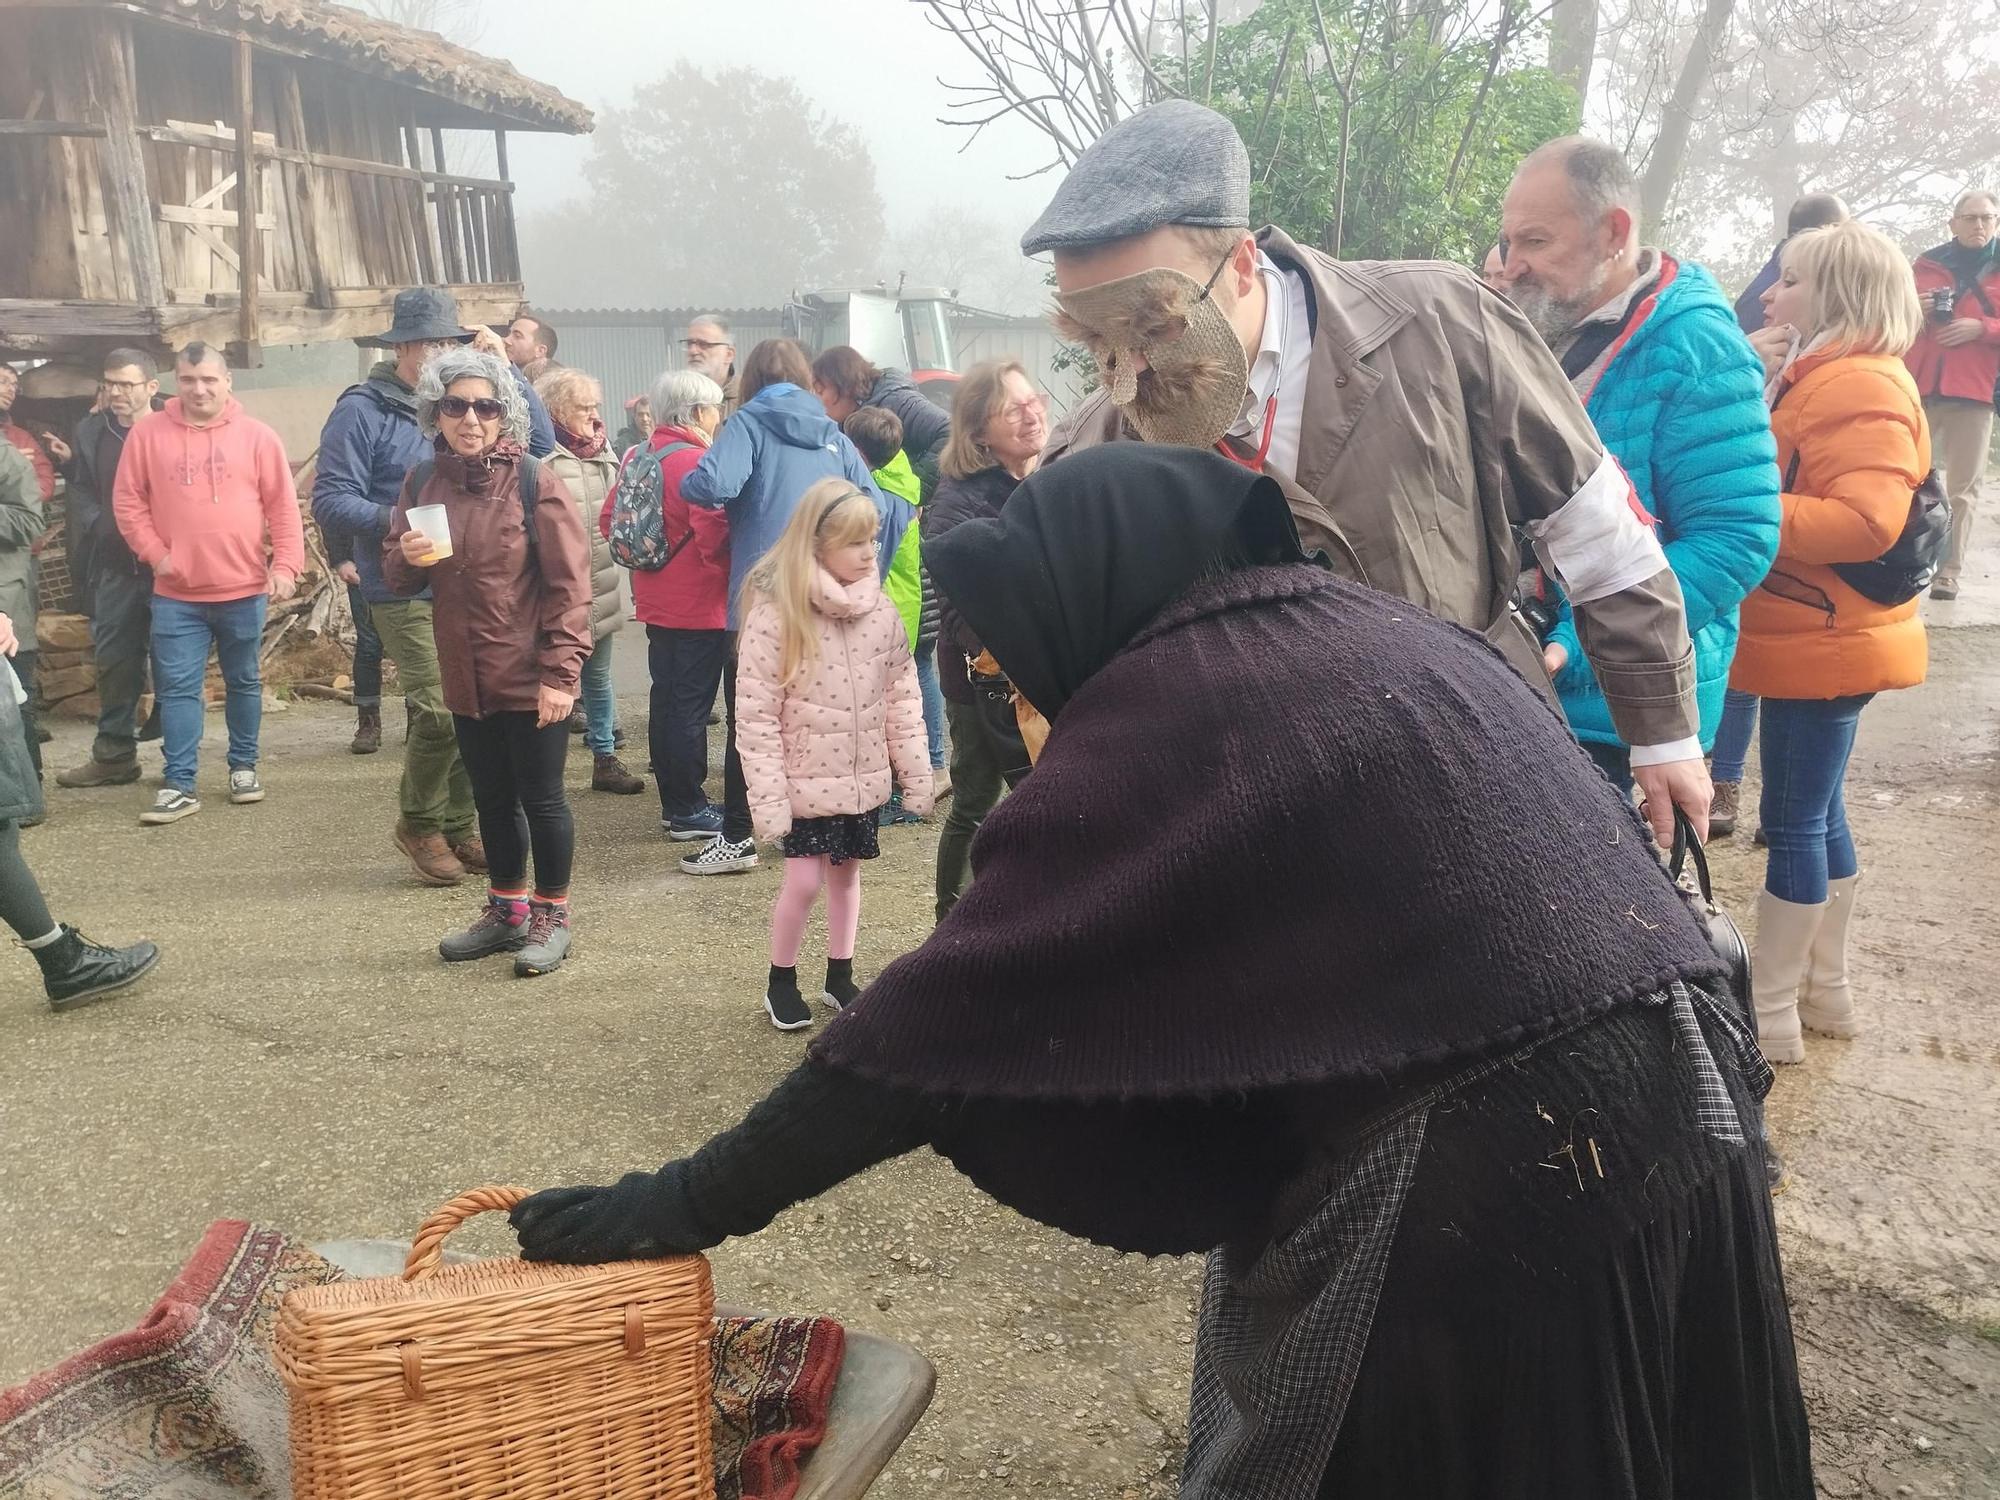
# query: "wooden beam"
[249,242]
[427,247]
[126,198]
[308,205]
[51,127]
[215,218]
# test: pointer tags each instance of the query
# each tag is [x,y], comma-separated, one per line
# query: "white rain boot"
[1826,1002]
[1778,959]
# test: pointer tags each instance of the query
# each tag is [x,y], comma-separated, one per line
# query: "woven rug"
[188,1405]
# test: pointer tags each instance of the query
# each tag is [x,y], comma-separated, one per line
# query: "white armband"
[1597,544]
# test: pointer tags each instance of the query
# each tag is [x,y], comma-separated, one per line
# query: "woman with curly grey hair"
[496,537]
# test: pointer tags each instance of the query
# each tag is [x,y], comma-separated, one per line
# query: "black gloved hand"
[642,1215]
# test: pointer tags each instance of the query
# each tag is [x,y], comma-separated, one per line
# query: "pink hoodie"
[207,495]
[826,745]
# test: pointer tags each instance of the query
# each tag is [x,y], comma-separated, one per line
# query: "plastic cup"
[432,522]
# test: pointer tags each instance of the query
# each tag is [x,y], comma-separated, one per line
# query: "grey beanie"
[1177,162]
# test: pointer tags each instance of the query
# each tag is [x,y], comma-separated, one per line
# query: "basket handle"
[427,1249]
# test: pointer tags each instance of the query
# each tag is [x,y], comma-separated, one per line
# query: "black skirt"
[839,838]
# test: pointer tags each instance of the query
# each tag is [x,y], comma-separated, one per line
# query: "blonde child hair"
[832,513]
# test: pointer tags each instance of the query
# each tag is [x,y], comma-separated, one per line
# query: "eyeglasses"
[1980,218]
[485,408]
[690,345]
[1021,413]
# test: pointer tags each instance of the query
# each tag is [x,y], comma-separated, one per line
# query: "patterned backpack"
[638,523]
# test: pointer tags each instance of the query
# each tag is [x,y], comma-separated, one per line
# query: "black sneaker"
[841,990]
[170,805]
[783,1003]
[721,857]
[705,825]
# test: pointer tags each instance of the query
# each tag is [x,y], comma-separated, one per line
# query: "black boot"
[74,969]
[841,990]
[367,732]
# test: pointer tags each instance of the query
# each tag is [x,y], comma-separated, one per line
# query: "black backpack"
[1906,569]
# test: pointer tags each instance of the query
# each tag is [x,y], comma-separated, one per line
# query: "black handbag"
[1907,568]
[1723,934]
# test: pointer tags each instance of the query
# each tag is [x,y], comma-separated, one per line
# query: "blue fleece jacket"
[369,444]
[1681,407]
[766,456]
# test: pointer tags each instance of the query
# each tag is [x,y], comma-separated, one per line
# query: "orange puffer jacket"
[825,744]
[1856,426]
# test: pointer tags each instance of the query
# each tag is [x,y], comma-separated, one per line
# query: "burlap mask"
[1191,391]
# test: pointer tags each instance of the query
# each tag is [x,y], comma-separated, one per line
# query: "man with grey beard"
[1652,348]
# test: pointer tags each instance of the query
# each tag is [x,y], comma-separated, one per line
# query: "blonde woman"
[1852,447]
[583,460]
[827,705]
[998,428]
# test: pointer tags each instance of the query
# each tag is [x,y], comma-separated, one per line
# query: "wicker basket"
[501,1378]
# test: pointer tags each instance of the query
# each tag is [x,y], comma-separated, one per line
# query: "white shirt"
[1284,355]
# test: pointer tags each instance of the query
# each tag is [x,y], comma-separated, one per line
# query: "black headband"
[834,505]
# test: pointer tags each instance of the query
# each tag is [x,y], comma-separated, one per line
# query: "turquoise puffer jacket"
[1681,407]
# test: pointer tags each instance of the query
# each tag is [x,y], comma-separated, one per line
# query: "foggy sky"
[873,64]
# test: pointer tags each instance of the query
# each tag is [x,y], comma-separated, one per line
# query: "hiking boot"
[1722,808]
[841,990]
[578,721]
[548,940]
[95,772]
[170,805]
[722,857]
[704,825]
[617,738]
[367,733]
[501,927]
[783,1003]
[470,851]
[1945,589]
[74,969]
[609,775]
[244,787]
[435,863]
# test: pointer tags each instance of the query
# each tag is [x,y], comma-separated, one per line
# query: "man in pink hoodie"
[199,487]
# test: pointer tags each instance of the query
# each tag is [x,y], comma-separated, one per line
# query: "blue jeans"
[600,704]
[367,652]
[1732,735]
[182,636]
[1805,750]
[927,683]
[1615,761]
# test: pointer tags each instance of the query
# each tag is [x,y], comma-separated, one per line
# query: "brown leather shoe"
[434,862]
[471,853]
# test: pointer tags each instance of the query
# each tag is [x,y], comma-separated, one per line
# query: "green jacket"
[905,583]
[21,521]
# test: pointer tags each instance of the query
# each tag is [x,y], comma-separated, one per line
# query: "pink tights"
[803,879]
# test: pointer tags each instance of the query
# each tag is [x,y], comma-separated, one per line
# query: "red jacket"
[207,496]
[45,473]
[692,591]
[1968,372]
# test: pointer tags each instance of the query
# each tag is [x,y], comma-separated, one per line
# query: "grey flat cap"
[1176,163]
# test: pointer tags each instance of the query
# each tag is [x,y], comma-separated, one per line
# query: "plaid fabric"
[1283,1329]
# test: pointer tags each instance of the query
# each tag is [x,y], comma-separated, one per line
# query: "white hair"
[679,394]
[463,362]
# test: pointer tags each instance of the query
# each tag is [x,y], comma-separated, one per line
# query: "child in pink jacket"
[827,707]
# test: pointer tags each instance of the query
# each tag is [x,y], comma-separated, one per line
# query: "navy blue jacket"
[370,442]
[541,430]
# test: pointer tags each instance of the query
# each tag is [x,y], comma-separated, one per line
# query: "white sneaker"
[170,805]
[244,785]
[721,857]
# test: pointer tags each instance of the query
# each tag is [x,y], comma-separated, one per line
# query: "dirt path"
[301,1060]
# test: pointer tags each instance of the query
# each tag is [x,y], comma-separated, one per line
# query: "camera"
[1941,303]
